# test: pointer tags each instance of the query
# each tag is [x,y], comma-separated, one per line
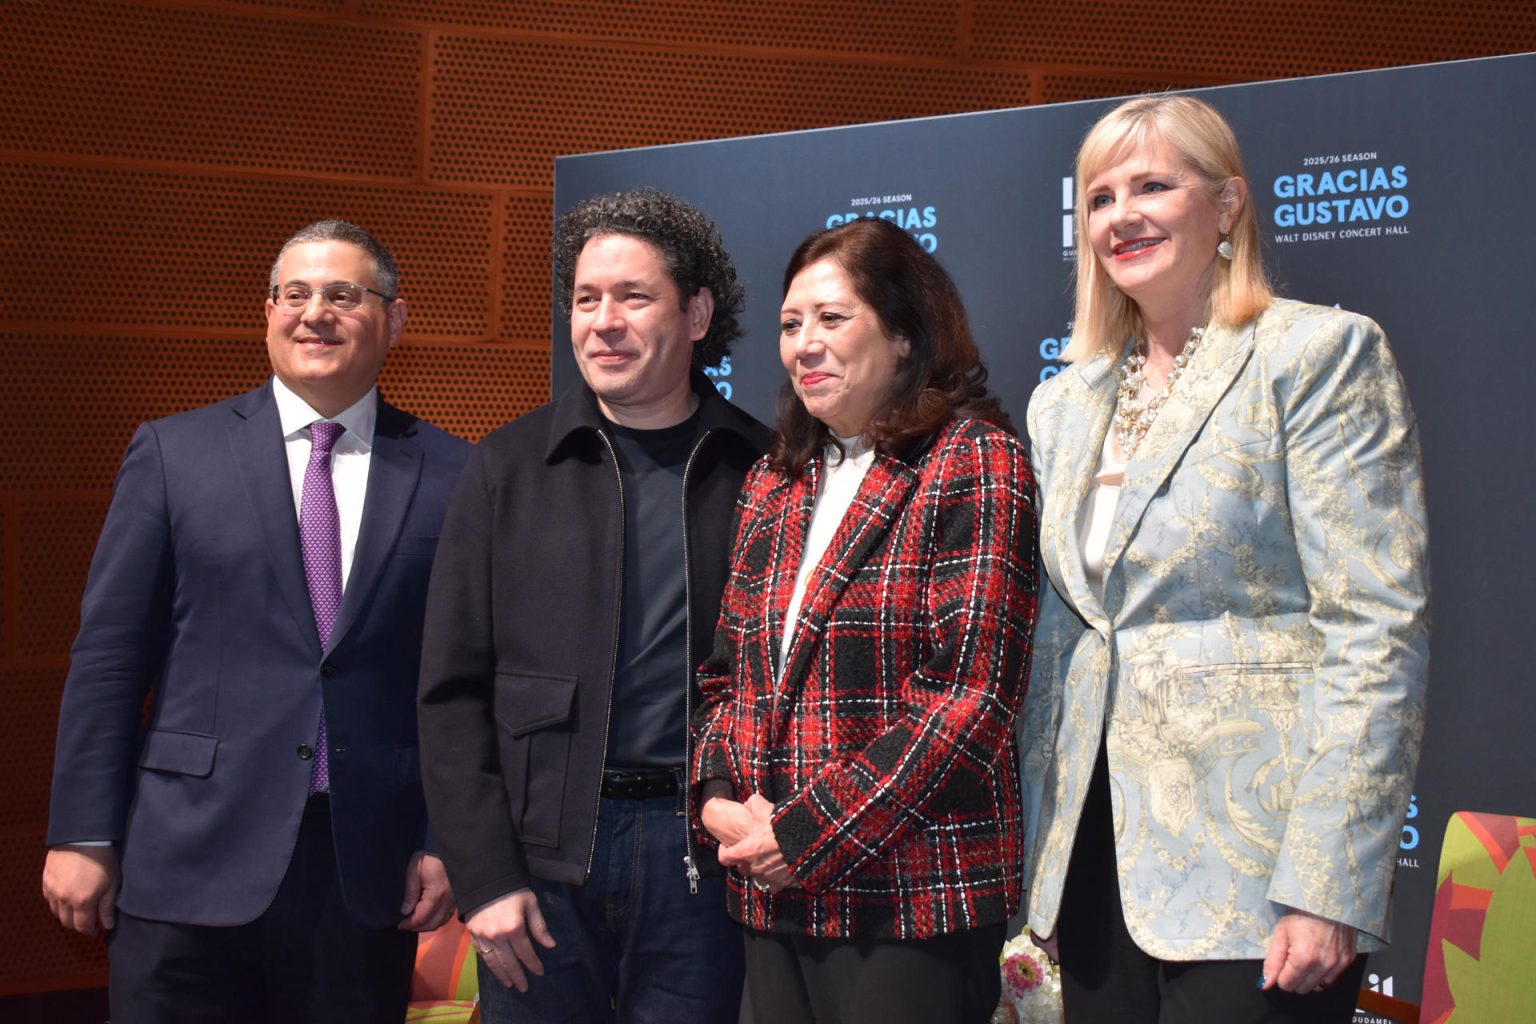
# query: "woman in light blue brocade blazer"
[1226,702]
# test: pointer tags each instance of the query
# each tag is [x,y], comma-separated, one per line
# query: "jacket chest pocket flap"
[533,713]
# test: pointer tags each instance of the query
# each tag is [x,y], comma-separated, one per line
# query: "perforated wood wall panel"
[1247,39]
[154,154]
[168,251]
[895,28]
[147,83]
[502,109]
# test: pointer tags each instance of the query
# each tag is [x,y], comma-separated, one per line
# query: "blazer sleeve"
[125,624]
[962,702]
[1357,509]
[472,825]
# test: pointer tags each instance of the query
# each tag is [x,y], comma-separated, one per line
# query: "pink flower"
[1021,973]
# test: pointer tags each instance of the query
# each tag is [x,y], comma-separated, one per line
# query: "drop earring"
[1224,250]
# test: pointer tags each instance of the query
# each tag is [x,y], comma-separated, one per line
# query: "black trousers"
[948,979]
[305,959]
[1106,977]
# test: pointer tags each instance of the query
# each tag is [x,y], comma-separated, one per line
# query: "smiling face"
[327,356]
[839,359]
[1153,225]
[632,334]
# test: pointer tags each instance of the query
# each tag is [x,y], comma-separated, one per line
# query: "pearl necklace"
[1134,414]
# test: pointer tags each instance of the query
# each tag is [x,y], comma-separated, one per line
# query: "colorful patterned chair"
[1480,960]
[445,989]
[1482,934]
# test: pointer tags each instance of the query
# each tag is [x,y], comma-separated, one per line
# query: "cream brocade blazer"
[1261,648]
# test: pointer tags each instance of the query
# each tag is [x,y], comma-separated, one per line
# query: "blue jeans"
[633,945]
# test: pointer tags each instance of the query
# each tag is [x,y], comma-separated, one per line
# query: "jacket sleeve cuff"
[798,830]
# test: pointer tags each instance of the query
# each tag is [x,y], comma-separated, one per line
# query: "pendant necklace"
[1133,412]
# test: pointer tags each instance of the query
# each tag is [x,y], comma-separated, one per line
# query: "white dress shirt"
[351,457]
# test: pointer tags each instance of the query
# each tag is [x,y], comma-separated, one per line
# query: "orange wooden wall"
[154,154]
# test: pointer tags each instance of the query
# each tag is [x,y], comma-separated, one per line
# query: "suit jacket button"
[306,751]
[327,669]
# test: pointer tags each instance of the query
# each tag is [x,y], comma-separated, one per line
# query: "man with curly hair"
[576,587]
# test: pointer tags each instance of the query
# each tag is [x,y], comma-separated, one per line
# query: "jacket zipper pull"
[693,876]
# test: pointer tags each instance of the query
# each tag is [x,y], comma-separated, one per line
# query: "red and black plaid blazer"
[886,745]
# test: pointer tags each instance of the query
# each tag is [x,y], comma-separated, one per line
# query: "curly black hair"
[688,240]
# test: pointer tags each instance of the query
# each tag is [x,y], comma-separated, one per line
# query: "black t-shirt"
[649,724]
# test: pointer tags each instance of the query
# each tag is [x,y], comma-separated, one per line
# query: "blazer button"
[306,751]
[327,669]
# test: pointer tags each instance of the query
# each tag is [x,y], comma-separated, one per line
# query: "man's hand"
[428,899]
[80,884]
[1307,953]
[757,855]
[500,931]
[727,819]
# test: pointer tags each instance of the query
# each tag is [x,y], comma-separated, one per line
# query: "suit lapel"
[393,472]
[788,548]
[1087,404]
[1221,357]
[257,452]
[879,502]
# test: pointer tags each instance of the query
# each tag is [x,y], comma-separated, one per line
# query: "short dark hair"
[690,247]
[915,299]
[386,274]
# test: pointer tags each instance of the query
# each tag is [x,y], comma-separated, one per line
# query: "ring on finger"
[760,885]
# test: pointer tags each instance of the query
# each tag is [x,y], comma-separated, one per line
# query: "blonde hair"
[1105,315]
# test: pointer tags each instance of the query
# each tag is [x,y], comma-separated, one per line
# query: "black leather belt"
[640,785]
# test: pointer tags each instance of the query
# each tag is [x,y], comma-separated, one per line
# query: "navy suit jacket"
[197,596]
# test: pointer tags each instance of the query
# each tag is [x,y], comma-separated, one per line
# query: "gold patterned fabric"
[1260,651]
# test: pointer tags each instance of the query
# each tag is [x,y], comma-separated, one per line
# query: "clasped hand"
[745,833]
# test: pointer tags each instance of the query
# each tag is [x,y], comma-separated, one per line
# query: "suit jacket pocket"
[180,753]
[533,713]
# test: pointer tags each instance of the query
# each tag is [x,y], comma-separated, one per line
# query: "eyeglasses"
[340,294]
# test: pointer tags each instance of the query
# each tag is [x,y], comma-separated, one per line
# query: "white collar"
[296,415]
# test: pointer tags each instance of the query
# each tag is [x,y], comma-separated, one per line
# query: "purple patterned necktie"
[320,539]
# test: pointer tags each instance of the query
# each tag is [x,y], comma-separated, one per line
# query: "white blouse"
[1098,511]
[840,480]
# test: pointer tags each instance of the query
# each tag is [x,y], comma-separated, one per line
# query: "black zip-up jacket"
[522,629]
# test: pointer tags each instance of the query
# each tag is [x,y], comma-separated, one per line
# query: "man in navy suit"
[236,791]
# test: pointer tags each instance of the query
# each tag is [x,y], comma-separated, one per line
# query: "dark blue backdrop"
[1401,194]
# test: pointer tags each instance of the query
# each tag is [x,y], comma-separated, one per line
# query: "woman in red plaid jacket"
[855,750]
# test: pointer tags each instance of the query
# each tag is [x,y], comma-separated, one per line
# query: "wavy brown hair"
[942,375]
